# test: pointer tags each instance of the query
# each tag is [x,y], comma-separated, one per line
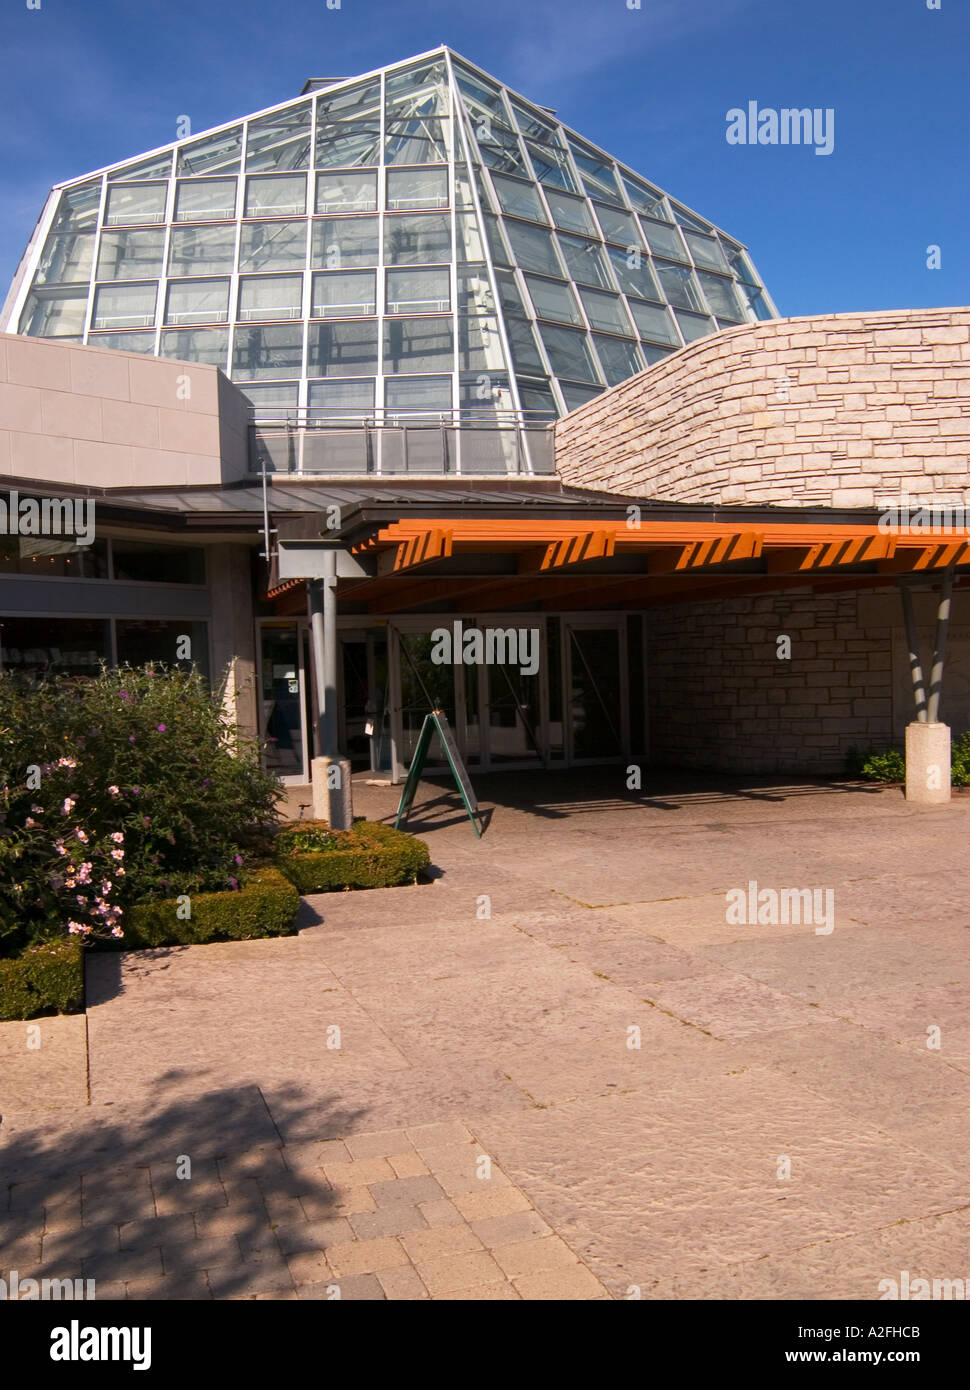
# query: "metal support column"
[912,647]
[330,772]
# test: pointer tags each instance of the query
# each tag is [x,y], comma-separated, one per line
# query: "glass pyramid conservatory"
[417,240]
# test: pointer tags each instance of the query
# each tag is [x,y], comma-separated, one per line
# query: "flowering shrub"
[129,786]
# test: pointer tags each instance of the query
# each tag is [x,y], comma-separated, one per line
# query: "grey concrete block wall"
[94,417]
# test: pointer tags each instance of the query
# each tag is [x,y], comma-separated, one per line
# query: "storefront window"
[162,642]
[54,646]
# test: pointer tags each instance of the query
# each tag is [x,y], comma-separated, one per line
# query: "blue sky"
[86,84]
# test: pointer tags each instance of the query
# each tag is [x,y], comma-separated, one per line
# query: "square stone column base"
[332,792]
[927,763]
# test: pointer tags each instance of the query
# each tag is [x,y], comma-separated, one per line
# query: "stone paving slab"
[44,1063]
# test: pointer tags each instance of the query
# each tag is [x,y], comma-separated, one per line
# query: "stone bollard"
[332,792]
[927,763]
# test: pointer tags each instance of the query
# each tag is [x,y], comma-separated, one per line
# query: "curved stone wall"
[841,410]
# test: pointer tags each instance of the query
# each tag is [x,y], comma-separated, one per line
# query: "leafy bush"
[960,761]
[369,855]
[265,905]
[876,765]
[127,786]
[45,979]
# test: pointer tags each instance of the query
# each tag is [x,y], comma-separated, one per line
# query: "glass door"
[597,707]
[283,701]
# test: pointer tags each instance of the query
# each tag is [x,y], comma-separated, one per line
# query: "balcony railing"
[450,443]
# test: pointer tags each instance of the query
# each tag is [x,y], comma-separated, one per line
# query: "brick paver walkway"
[557,1072]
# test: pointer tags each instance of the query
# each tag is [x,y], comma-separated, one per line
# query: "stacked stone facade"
[842,410]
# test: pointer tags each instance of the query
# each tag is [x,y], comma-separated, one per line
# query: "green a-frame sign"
[437,722]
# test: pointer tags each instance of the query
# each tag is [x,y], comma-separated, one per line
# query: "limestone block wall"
[719,697]
[843,410]
[88,416]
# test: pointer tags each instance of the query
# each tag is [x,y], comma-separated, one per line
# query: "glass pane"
[575,395]
[77,210]
[464,197]
[202,250]
[469,233]
[272,246]
[419,140]
[474,291]
[130,255]
[214,154]
[124,306]
[48,557]
[720,296]
[262,352]
[418,291]
[197,301]
[551,167]
[553,300]
[349,127]
[479,344]
[653,353]
[522,344]
[135,203]
[646,199]
[350,399]
[124,342]
[618,225]
[533,248]
[569,353]
[422,89]
[633,273]
[274,401]
[425,685]
[596,173]
[158,166]
[706,251]
[664,239]
[66,258]
[496,244]
[408,394]
[342,349]
[653,322]
[275,193]
[618,358]
[756,302]
[344,294]
[347,191]
[417,188]
[534,126]
[66,646]
[205,200]
[49,315]
[518,199]
[480,98]
[208,345]
[270,297]
[693,326]
[687,219]
[537,398]
[281,705]
[501,150]
[280,140]
[596,694]
[739,263]
[417,238]
[418,345]
[151,563]
[509,296]
[605,311]
[513,714]
[571,214]
[680,287]
[341,242]
[585,261]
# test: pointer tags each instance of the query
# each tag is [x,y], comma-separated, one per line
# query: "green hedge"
[367,856]
[265,905]
[44,979]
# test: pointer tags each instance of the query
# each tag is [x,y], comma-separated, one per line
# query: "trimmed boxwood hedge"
[265,905]
[46,978]
[369,855]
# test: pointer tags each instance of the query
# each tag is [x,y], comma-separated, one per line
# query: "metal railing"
[469,442]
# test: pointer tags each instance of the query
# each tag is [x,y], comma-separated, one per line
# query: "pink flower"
[106,888]
[81,834]
[117,836]
[116,931]
[119,872]
[160,728]
[118,854]
[30,822]
[66,762]
[114,791]
[69,804]
[78,929]
[37,810]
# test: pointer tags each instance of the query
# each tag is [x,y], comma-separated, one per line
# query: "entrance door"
[282,701]
[597,710]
